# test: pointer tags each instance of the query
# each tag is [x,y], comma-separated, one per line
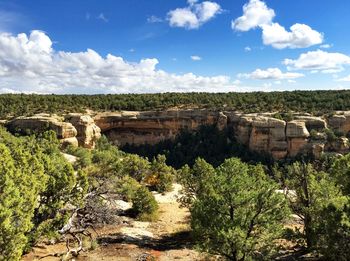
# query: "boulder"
[221,122]
[312,123]
[318,150]
[340,122]
[73,141]
[297,129]
[88,131]
[341,145]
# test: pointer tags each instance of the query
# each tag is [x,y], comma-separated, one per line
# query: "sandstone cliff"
[152,127]
[262,133]
[74,129]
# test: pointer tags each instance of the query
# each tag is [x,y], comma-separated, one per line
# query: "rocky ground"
[166,239]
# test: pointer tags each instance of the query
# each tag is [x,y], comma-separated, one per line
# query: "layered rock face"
[87,131]
[281,139]
[128,127]
[74,129]
[261,133]
[65,131]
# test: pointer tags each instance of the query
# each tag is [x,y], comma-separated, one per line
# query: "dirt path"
[166,239]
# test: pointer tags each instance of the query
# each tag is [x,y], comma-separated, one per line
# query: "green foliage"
[161,176]
[207,142]
[84,157]
[240,215]
[127,188]
[314,191]
[331,137]
[333,230]
[35,183]
[341,172]
[194,180]
[144,204]
[136,167]
[306,101]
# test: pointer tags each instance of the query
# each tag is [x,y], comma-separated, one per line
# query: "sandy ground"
[166,239]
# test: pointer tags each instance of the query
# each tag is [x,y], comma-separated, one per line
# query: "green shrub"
[330,135]
[144,204]
[127,187]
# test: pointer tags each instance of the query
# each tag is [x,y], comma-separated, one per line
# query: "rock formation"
[151,127]
[65,131]
[73,129]
[259,132]
[87,131]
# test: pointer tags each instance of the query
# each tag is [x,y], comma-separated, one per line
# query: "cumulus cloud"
[256,14]
[271,74]
[319,61]
[193,16]
[300,36]
[196,58]
[30,64]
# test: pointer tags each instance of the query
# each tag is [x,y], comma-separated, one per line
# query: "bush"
[330,135]
[127,187]
[144,204]
[161,176]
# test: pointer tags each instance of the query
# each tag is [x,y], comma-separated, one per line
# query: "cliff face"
[74,129]
[261,133]
[152,127]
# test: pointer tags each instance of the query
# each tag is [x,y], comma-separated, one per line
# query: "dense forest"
[300,101]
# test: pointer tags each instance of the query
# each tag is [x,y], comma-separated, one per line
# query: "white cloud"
[326,46]
[255,14]
[191,2]
[271,74]
[154,19]
[247,49]
[196,58]
[194,15]
[102,17]
[319,61]
[300,36]
[30,64]
[345,79]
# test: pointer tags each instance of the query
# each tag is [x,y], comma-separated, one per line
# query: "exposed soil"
[166,239]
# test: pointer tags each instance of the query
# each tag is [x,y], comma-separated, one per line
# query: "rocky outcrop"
[151,127]
[87,131]
[41,123]
[268,136]
[340,122]
[259,132]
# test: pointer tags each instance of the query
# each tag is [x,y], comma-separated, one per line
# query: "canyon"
[263,133]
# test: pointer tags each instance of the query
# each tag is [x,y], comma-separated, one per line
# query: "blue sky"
[167,45]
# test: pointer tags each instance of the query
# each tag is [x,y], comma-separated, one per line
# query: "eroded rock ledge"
[262,133]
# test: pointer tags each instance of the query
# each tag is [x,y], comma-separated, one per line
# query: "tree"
[194,181]
[314,192]
[242,215]
[12,238]
[144,204]
[161,175]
